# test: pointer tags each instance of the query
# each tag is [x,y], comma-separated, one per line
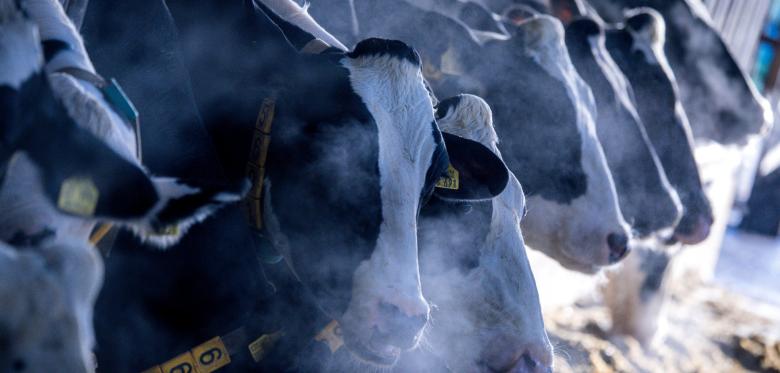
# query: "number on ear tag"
[78,196]
[451,181]
[211,355]
[183,363]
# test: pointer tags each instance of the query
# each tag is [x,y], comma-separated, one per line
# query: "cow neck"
[257,163]
[110,89]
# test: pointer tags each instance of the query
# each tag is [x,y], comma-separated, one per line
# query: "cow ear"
[183,203]
[83,176]
[474,173]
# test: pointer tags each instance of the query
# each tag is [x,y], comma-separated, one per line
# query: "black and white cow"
[544,118]
[647,200]
[486,314]
[722,102]
[637,47]
[70,163]
[639,54]
[355,152]
[475,270]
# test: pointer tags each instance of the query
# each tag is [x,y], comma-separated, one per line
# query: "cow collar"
[220,351]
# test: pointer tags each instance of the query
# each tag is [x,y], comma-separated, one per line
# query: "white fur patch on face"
[471,119]
[543,35]
[20,50]
[649,39]
[393,91]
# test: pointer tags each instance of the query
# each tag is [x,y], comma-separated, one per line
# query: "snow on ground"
[729,325]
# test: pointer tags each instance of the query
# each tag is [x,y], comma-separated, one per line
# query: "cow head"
[722,102]
[544,117]
[47,295]
[474,269]
[81,150]
[647,201]
[350,168]
[638,48]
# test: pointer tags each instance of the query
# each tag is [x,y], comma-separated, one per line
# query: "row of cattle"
[382,218]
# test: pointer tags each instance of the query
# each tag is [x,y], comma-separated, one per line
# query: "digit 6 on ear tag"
[211,355]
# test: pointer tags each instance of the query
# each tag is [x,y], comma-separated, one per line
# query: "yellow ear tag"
[331,335]
[79,196]
[260,346]
[184,363]
[211,356]
[451,181]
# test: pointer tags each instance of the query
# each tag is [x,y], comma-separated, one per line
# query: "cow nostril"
[618,246]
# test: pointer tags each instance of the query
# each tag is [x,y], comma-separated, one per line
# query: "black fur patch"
[584,27]
[21,239]
[644,197]
[654,265]
[63,150]
[297,36]
[439,162]
[52,47]
[381,47]
[445,105]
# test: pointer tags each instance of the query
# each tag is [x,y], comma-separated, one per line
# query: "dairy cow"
[647,200]
[474,269]
[544,118]
[69,162]
[637,47]
[354,153]
[722,102]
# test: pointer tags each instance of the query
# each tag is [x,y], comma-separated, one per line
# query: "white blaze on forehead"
[20,50]
[393,91]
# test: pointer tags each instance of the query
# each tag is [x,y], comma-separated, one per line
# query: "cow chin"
[371,351]
[572,263]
